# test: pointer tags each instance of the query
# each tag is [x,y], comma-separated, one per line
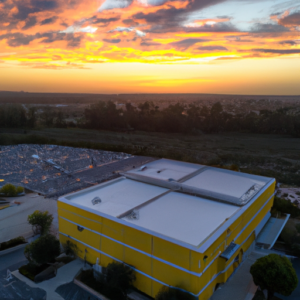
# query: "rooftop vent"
[133,215]
[250,193]
[96,200]
[171,179]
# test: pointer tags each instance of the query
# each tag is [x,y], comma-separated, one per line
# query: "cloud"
[24,8]
[95,20]
[290,20]
[212,48]
[128,29]
[268,27]
[289,42]
[73,29]
[186,43]
[30,23]
[167,19]
[278,51]
[111,4]
[20,39]
[112,41]
[49,20]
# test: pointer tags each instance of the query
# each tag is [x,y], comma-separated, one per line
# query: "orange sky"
[153,46]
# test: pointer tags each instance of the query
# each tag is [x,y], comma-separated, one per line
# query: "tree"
[166,293]
[275,274]
[9,190]
[43,250]
[119,276]
[40,221]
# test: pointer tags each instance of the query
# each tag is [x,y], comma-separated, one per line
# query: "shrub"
[40,221]
[12,243]
[20,190]
[166,293]
[275,274]
[119,276]
[286,207]
[43,250]
[9,190]
[70,248]
[31,270]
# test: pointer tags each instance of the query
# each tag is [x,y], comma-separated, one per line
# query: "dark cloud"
[278,51]
[95,20]
[33,6]
[130,22]
[49,20]
[167,19]
[290,20]
[212,48]
[260,28]
[17,39]
[112,41]
[30,23]
[20,39]
[186,43]
[149,43]
[292,43]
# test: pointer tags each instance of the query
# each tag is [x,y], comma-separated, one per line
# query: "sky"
[150,46]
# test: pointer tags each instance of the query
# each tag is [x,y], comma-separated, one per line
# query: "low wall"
[88,289]
[10,250]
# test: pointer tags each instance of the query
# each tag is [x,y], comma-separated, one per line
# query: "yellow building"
[177,224]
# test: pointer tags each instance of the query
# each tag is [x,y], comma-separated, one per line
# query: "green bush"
[70,248]
[20,190]
[286,207]
[101,286]
[113,283]
[12,243]
[43,250]
[166,293]
[9,190]
[31,270]
[40,221]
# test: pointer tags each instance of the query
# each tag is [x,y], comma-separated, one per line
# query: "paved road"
[11,259]
[15,289]
[13,220]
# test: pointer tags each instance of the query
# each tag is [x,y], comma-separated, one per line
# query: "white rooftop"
[117,196]
[166,169]
[183,217]
[189,208]
[223,182]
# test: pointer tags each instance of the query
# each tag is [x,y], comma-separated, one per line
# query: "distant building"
[178,224]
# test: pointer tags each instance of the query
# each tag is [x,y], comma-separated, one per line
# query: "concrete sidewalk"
[64,275]
[240,285]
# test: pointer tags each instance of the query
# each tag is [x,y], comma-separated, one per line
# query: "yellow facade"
[158,261]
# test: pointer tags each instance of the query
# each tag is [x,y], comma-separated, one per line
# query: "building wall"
[159,261]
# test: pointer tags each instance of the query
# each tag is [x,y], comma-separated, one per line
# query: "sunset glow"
[153,46]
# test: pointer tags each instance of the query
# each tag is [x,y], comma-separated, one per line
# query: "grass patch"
[12,243]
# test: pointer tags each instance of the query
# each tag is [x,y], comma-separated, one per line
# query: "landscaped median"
[12,245]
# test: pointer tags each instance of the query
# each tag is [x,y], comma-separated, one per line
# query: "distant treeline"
[177,118]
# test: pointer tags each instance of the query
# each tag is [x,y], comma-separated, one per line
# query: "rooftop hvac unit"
[96,200]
